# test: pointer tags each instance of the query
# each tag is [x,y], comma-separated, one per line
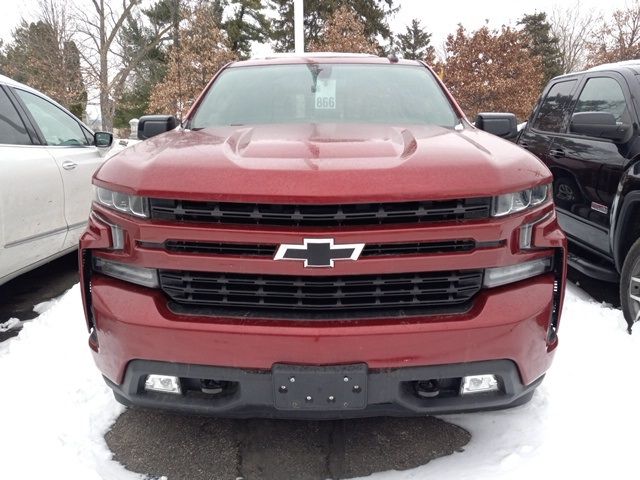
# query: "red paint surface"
[134,323]
[324,164]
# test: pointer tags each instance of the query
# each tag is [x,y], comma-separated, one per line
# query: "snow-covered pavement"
[582,422]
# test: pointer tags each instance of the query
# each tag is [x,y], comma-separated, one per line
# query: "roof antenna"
[392,57]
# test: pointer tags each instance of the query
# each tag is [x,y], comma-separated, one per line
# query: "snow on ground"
[582,422]
[54,407]
[10,325]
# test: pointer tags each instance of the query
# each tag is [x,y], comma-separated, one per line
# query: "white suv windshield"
[325,93]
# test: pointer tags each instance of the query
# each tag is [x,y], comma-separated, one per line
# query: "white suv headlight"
[517,202]
[122,202]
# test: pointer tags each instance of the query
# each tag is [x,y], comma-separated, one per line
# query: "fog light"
[163,383]
[479,383]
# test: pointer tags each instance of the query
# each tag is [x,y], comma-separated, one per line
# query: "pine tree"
[247,23]
[134,36]
[373,14]
[542,43]
[38,57]
[75,92]
[3,58]
[493,71]
[203,50]
[343,32]
[415,44]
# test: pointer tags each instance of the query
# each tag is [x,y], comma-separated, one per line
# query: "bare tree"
[617,38]
[573,27]
[107,64]
[56,14]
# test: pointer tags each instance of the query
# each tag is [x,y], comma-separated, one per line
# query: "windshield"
[325,93]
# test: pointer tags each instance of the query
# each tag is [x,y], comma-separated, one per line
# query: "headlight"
[495,277]
[147,277]
[520,201]
[122,202]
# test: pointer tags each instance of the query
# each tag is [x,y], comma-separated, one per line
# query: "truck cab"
[585,129]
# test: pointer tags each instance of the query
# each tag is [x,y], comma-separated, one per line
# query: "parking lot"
[197,448]
[190,447]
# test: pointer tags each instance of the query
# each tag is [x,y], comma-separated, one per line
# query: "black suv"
[586,129]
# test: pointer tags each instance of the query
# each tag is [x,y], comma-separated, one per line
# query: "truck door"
[550,118]
[592,166]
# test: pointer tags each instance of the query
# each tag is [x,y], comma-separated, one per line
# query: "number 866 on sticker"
[325,102]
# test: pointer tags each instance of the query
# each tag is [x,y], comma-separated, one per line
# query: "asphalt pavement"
[200,448]
[20,295]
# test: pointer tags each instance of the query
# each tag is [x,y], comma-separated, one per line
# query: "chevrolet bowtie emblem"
[319,252]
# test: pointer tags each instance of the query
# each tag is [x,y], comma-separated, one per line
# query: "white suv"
[47,159]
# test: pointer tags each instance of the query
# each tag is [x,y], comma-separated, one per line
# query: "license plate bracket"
[339,387]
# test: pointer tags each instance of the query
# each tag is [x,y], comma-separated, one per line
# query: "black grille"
[370,250]
[319,215]
[333,296]
[418,248]
[214,248]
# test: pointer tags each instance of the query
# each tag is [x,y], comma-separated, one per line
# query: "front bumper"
[510,324]
[513,325]
[389,392]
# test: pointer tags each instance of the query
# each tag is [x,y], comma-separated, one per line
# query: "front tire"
[630,285]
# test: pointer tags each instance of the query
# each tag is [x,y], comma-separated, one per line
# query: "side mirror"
[102,139]
[599,125]
[152,125]
[503,125]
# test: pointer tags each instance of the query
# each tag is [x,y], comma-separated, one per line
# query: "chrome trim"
[36,237]
[526,231]
[613,214]
[69,165]
[355,254]
[78,225]
[117,234]
[15,145]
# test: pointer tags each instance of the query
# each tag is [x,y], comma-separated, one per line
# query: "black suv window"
[552,113]
[603,94]
[12,129]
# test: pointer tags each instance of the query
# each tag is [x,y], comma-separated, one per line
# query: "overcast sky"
[473,13]
[439,17]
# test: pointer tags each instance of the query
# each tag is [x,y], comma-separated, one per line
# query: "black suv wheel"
[630,285]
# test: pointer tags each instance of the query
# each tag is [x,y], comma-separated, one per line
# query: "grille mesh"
[332,295]
[370,250]
[319,215]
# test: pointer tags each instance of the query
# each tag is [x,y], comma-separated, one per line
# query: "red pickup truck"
[323,236]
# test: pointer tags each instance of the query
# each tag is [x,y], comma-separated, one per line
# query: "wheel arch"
[626,214]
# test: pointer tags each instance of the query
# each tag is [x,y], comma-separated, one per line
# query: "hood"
[328,163]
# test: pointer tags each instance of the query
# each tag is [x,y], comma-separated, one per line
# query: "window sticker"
[325,95]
